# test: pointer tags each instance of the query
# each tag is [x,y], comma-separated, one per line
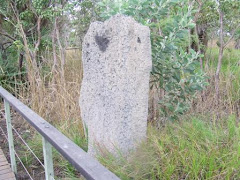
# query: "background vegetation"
[194,99]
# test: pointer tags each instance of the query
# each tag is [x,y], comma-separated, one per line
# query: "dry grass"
[55,94]
[213,43]
[229,102]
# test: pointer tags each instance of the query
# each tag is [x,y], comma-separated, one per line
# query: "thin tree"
[222,44]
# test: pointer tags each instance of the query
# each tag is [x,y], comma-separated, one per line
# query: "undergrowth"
[193,148]
[62,168]
[190,149]
[229,102]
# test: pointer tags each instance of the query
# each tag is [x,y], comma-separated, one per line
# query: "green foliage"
[82,18]
[190,149]
[209,17]
[174,70]
[10,75]
[209,14]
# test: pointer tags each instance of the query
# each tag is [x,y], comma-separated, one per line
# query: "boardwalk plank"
[5,169]
[2,157]
[3,163]
[7,176]
[2,160]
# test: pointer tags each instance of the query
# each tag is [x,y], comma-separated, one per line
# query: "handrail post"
[48,160]
[10,137]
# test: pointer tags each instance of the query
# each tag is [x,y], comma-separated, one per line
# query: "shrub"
[10,74]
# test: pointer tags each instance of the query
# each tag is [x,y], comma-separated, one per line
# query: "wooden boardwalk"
[5,169]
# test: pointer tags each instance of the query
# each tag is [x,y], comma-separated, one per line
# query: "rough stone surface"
[114,92]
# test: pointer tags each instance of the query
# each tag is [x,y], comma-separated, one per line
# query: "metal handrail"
[89,167]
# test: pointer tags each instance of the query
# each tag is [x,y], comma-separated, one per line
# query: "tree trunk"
[198,45]
[61,51]
[54,46]
[237,44]
[220,56]
[20,61]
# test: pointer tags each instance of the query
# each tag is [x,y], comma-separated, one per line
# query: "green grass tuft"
[191,149]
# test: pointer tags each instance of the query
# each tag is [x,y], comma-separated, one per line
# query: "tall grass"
[190,149]
[54,95]
[229,102]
